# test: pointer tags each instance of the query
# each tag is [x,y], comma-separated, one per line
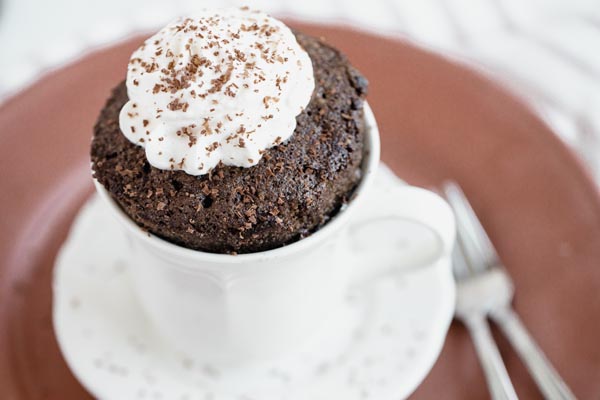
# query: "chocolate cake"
[296,187]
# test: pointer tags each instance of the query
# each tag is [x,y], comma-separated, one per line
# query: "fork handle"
[548,380]
[499,383]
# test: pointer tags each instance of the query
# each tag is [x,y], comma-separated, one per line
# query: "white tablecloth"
[548,51]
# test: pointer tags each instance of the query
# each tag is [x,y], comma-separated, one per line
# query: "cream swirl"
[222,86]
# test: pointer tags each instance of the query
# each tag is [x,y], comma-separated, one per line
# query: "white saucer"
[381,347]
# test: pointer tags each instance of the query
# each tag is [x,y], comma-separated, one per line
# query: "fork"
[472,308]
[485,289]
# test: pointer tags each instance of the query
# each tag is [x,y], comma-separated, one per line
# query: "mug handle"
[398,228]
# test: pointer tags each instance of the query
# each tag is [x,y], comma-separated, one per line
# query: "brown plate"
[438,120]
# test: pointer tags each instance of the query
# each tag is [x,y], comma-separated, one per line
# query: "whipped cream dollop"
[222,86]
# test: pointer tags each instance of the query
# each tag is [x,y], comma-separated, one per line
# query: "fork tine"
[461,265]
[456,200]
[476,241]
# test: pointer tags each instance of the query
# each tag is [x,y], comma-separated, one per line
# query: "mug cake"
[232,133]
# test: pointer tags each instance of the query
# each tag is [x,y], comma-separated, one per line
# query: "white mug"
[233,309]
